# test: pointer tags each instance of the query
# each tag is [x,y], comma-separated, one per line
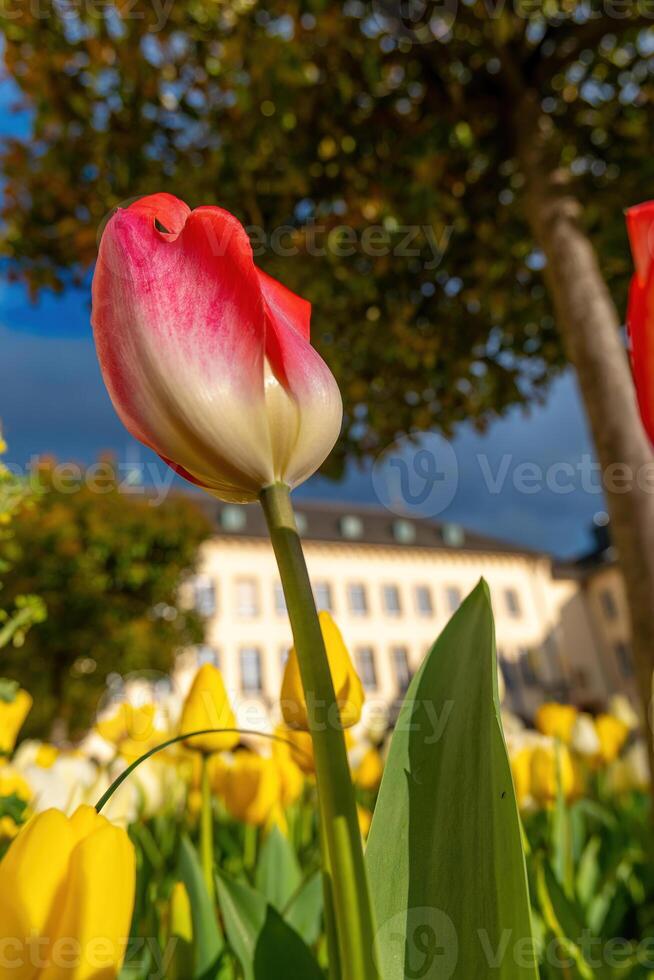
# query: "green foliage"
[305,117]
[108,567]
[447,871]
[24,610]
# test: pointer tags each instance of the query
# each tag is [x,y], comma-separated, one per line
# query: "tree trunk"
[590,327]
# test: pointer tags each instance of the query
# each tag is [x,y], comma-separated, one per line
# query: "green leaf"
[278,874]
[304,910]
[208,940]
[267,947]
[446,866]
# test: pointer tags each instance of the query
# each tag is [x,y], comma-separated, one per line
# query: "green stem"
[250,841]
[206,830]
[351,897]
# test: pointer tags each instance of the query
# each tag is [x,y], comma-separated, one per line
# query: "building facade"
[392,584]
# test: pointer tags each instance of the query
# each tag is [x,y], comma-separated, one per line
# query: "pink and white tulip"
[206,358]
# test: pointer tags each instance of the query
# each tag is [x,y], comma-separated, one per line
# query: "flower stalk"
[206,830]
[342,838]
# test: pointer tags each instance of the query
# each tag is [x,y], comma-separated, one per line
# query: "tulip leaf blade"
[278,874]
[266,946]
[444,854]
[208,940]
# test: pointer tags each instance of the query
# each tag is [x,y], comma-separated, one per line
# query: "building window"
[391,597]
[404,531]
[453,535]
[232,518]
[453,593]
[528,666]
[357,598]
[400,659]
[204,595]
[247,599]
[511,675]
[365,659]
[280,600]
[251,679]
[351,527]
[512,601]
[205,654]
[608,603]
[623,656]
[323,595]
[424,603]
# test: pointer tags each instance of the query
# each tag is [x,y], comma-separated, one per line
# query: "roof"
[350,523]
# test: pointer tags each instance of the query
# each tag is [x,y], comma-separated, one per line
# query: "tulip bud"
[347,685]
[207,706]
[612,734]
[556,720]
[368,774]
[551,768]
[521,772]
[15,704]
[207,359]
[300,746]
[131,728]
[66,897]
[251,788]
[640,313]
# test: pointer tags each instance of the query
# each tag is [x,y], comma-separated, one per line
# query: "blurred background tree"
[503,139]
[108,567]
[23,611]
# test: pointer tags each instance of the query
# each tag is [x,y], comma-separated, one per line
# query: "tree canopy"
[370,148]
[108,567]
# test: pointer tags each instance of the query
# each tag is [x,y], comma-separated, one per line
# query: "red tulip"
[640,315]
[206,358]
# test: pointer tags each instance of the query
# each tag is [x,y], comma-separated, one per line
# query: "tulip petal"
[97,909]
[640,228]
[304,404]
[32,883]
[179,327]
[640,315]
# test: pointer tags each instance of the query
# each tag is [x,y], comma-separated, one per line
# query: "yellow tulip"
[291,775]
[521,771]
[612,734]
[207,706]
[370,770]
[300,747]
[15,704]
[365,819]
[347,685]
[131,728]
[251,788]
[66,898]
[557,720]
[181,922]
[549,764]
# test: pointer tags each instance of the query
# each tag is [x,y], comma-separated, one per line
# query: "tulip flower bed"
[582,792]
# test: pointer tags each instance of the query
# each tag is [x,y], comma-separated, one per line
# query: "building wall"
[607,602]
[546,642]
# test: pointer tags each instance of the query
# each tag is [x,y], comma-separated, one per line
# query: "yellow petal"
[348,688]
[33,883]
[207,706]
[97,907]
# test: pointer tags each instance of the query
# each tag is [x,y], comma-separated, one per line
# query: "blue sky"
[52,400]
